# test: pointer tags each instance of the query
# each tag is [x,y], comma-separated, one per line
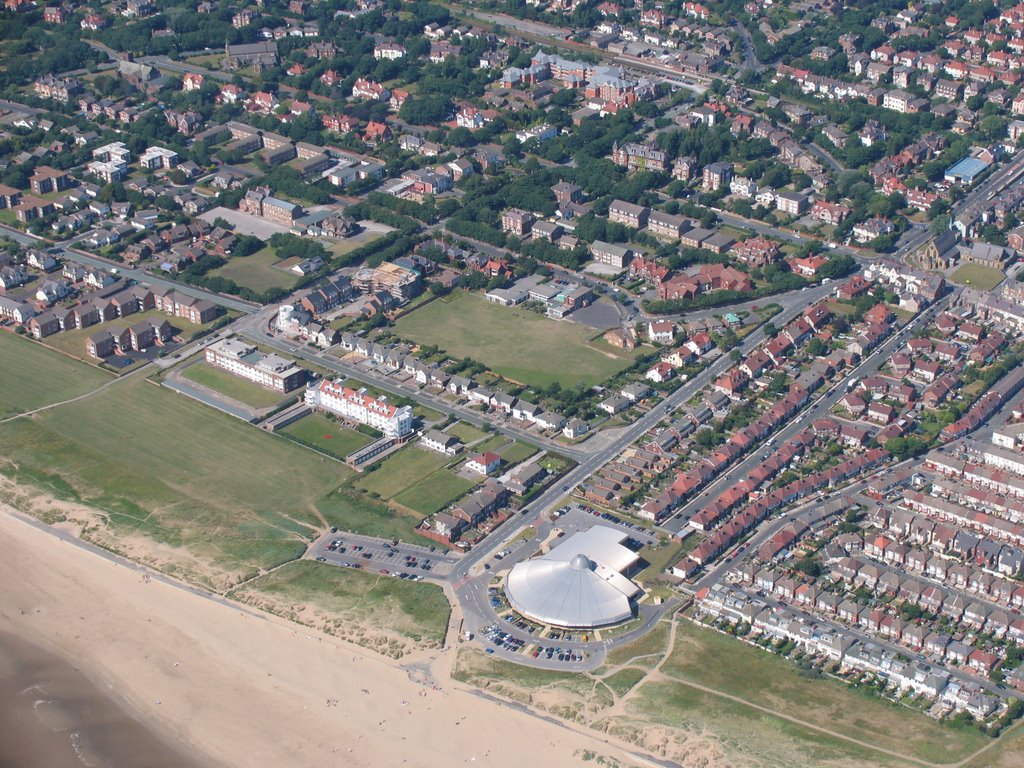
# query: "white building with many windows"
[244,360]
[357,405]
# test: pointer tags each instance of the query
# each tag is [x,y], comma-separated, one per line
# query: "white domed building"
[580,584]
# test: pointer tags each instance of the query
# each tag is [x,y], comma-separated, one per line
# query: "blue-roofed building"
[966,171]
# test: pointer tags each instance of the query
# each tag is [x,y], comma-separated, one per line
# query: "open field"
[391,616]
[326,435]
[433,492]
[167,481]
[257,271]
[32,376]
[544,351]
[235,387]
[400,471]
[73,342]
[467,433]
[977,276]
[771,681]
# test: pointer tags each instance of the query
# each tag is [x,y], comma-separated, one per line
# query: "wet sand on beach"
[52,715]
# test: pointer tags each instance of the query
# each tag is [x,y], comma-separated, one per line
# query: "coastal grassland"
[624,680]
[326,435]
[472,666]
[771,681]
[219,499]
[351,510]
[516,343]
[234,387]
[645,651]
[1006,752]
[752,738]
[702,696]
[32,376]
[391,616]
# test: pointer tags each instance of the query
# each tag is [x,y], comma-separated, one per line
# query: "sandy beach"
[227,687]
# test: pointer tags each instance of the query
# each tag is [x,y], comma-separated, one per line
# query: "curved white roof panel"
[578,584]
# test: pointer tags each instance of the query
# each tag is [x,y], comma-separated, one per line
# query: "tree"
[426,110]
[816,348]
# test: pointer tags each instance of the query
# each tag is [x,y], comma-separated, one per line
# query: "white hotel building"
[244,360]
[356,405]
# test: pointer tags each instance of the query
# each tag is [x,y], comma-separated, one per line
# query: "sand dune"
[240,689]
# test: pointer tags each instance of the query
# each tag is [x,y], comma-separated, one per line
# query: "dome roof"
[580,563]
[568,588]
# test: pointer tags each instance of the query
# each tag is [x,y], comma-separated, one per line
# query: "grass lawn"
[518,344]
[8,217]
[235,387]
[257,271]
[326,435]
[426,415]
[73,342]
[400,471]
[208,61]
[341,247]
[219,499]
[771,681]
[32,376]
[343,597]
[659,557]
[840,308]
[494,443]
[467,433]
[514,452]
[434,492]
[977,276]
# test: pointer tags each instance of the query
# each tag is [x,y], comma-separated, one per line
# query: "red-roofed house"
[484,463]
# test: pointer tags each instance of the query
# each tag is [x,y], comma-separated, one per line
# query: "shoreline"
[180,662]
[52,714]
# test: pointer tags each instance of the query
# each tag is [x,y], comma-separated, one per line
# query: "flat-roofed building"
[246,361]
